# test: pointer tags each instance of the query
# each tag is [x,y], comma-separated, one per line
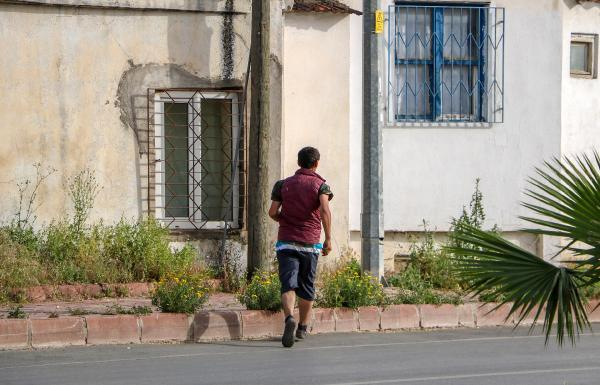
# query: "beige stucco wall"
[61,102]
[316,104]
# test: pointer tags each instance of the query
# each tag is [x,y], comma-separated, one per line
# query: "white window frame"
[194,221]
[591,41]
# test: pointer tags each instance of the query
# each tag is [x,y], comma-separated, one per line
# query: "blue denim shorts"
[298,271]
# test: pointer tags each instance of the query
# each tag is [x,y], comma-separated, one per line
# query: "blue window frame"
[446,63]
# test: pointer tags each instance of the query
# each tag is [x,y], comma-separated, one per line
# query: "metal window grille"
[445,63]
[198,159]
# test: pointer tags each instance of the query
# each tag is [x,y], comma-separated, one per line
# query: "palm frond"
[534,286]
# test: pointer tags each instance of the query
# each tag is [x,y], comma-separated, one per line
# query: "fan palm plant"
[565,203]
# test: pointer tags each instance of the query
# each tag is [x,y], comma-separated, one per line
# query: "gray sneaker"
[288,332]
[301,332]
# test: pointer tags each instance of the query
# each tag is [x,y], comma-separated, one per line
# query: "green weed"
[263,292]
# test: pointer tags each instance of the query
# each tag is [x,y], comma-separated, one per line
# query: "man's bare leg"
[305,308]
[288,301]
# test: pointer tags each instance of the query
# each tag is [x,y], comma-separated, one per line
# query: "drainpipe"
[372,200]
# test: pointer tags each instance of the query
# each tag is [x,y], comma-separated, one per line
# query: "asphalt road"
[452,357]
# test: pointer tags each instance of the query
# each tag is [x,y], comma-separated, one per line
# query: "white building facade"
[477,90]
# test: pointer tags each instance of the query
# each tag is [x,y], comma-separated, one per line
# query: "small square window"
[583,55]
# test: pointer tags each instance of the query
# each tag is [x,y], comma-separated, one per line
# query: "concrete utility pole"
[372,201]
[259,247]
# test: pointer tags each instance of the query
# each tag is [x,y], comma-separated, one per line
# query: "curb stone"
[227,325]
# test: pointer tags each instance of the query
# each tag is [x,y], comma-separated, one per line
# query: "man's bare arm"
[326,221]
[274,210]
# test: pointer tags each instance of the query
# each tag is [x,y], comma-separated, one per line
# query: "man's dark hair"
[308,156]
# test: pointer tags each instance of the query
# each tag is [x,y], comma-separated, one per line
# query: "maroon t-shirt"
[300,217]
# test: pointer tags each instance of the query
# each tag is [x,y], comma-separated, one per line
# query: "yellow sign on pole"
[379,21]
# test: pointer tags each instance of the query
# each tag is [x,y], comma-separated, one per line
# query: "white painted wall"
[429,173]
[316,103]
[581,97]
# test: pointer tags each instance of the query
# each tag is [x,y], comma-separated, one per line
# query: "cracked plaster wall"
[74,93]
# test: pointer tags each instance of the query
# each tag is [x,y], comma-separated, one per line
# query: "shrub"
[414,289]
[19,268]
[433,263]
[349,287]
[474,217]
[73,256]
[429,296]
[263,292]
[409,279]
[180,294]
[119,253]
[429,277]
[16,312]
[68,250]
[142,251]
[115,309]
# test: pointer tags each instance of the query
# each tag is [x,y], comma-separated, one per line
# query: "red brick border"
[400,317]
[14,333]
[439,316]
[57,332]
[346,320]
[498,317]
[119,329]
[369,319]
[243,324]
[163,327]
[261,323]
[217,325]
[323,321]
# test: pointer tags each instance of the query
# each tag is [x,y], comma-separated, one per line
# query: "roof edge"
[321,6]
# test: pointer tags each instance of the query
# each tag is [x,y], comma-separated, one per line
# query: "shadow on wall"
[215,324]
[586,4]
[310,21]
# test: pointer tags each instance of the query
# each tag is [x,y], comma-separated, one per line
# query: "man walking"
[300,204]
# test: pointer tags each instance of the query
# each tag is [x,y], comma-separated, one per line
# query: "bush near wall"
[61,254]
[70,250]
[263,292]
[349,287]
[429,277]
[184,294]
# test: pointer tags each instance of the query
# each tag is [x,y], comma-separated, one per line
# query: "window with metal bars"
[198,154]
[445,63]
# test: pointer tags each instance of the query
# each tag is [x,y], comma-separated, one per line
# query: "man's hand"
[326,247]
